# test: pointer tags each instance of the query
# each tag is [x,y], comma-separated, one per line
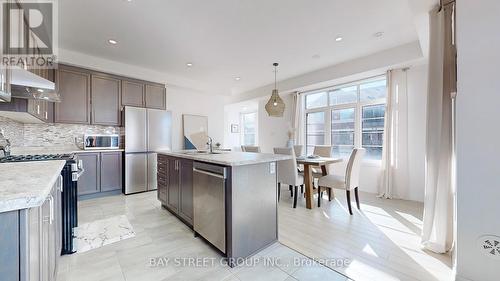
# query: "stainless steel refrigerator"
[146,131]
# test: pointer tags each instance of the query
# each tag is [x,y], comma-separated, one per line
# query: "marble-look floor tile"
[317,273]
[158,234]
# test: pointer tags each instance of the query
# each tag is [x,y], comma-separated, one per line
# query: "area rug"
[98,233]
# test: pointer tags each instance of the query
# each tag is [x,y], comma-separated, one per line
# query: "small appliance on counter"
[71,172]
[96,142]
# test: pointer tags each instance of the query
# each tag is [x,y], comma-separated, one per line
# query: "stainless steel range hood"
[27,85]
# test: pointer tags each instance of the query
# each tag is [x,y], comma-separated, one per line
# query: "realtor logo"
[28,34]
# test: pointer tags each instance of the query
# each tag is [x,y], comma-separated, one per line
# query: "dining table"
[309,162]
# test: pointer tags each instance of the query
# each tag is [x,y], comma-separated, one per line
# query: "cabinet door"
[186,190]
[173,184]
[53,236]
[9,246]
[44,242]
[162,178]
[105,94]
[155,97]
[132,93]
[88,183]
[74,88]
[111,171]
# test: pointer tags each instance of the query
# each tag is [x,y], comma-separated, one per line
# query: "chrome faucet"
[210,144]
[4,144]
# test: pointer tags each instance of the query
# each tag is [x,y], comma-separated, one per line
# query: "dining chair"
[288,174]
[250,148]
[322,151]
[348,182]
[298,150]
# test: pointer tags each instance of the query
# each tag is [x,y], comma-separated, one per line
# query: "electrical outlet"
[489,245]
[272,167]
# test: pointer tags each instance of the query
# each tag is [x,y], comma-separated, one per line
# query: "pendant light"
[275,106]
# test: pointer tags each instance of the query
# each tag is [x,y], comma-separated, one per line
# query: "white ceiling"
[229,38]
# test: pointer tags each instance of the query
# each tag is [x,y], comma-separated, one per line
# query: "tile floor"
[161,241]
[382,241]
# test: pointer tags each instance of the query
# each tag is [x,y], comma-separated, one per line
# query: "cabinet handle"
[46,115]
[51,212]
[60,182]
[37,109]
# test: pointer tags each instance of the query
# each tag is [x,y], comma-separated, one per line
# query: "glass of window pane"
[249,120]
[375,90]
[344,95]
[316,100]
[343,123]
[373,130]
[315,130]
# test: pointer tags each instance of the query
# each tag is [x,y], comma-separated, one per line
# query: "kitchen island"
[30,219]
[228,198]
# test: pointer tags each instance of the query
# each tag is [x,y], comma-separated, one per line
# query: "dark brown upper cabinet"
[105,99]
[91,97]
[74,88]
[155,96]
[132,93]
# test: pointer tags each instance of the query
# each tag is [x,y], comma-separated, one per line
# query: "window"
[315,130]
[343,125]
[316,100]
[346,117]
[344,95]
[249,128]
[373,130]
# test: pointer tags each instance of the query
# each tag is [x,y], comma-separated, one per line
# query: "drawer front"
[162,179]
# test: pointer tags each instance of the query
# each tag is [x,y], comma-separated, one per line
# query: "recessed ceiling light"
[112,42]
[338,38]
[237,78]
[189,64]
[378,34]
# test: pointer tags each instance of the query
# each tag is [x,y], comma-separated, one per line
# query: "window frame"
[242,127]
[358,111]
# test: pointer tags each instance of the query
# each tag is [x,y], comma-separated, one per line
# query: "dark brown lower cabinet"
[103,172]
[111,171]
[88,183]
[175,186]
[186,188]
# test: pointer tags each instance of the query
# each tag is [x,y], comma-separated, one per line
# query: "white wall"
[417,104]
[477,136]
[184,101]
[232,115]
[273,131]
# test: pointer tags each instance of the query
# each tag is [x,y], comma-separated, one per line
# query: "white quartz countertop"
[228,158]
[56,150]
[27,184]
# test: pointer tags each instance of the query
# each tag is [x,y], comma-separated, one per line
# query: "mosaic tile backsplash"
[49,135]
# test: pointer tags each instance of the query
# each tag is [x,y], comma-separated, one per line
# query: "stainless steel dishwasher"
[209,192]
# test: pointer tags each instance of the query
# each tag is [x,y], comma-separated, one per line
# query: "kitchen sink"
[201,152]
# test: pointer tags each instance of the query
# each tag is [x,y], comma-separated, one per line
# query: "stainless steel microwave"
[95,142]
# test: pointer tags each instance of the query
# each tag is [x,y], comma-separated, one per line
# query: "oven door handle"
[76,176]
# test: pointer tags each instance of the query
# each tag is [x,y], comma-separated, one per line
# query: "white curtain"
[437,233]
[297,122]
[395,173]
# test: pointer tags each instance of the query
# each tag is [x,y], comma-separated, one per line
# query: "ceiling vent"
[489,245]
